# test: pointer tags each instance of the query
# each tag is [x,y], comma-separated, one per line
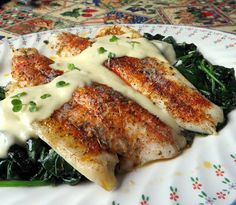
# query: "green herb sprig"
[114,39]
[17,105]
[62,84]
[102,50]
[19,95]
[111,55]
[33,106]
[46,95]
[133,43]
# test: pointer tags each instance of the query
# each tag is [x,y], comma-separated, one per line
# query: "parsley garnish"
[113,39]
[19,95]
[61,84]
[17,105]
[101,50]
[71,66]
[111,55]
[132,43]
[46,95]
[32,106]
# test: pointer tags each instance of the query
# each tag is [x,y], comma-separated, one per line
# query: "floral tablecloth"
[17,19]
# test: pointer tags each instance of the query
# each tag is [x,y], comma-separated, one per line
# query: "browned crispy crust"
[148,75]
[72,43]
[30,69]
[97,117]
[118,30]
[151,78]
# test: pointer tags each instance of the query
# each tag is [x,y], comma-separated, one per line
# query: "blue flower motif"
[232,186]
[209,200]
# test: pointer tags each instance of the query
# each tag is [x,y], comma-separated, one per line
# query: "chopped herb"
[32,106]
[111,55]
[46,95]
[61,84]
[17,105]
[71,66]
[101,50]
[113,39]
[132,43]
[19,95]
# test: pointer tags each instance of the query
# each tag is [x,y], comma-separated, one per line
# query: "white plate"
[203,174]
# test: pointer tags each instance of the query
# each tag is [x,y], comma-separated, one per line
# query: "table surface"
[16,19]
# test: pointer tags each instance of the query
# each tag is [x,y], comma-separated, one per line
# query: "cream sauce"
[18,124]
[167,50]
[90,61]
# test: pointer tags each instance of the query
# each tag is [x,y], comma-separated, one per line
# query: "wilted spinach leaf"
[2,93]
[38,163]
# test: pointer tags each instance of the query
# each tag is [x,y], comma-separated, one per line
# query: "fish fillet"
[98,130]
[159,81]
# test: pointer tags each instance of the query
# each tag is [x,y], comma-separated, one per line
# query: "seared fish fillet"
[157,80]
[96,126]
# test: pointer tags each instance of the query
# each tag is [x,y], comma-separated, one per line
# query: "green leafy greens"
[215,82]
[2,93]
[36,164]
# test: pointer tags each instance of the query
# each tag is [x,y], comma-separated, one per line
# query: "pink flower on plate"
[144,202]
[221,195]
[174,196]
[197,185]
[219,173]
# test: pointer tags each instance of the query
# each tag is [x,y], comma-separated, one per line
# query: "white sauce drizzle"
[18,124]
[167,50]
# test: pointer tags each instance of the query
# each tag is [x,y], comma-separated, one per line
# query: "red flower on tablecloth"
[207,13]
[87,15]
[221,195]
[5,16]
[21,15]
[90,10]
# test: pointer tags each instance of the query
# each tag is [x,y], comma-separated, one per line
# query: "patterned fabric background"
[17,19]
